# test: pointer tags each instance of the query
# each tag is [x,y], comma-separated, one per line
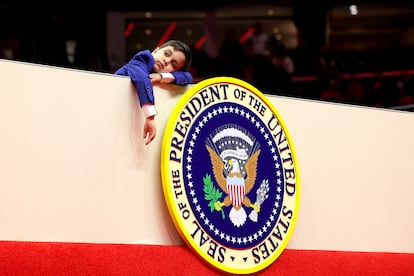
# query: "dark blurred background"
[357,52]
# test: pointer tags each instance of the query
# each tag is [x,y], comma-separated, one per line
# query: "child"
[167,63]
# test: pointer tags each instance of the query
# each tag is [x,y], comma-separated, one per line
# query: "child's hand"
[155,77]
[150,130]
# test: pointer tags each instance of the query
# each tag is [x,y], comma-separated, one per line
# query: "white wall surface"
[74,167]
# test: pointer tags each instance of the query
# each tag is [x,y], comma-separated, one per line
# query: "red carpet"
[44,258]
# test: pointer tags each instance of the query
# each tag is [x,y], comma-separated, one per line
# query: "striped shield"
[236,190]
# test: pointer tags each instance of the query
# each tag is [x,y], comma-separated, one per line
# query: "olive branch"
[212,194]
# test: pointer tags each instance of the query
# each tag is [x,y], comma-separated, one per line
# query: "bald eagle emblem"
[234,155]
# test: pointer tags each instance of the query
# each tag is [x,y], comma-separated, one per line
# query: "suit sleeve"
[182,77]
[138,70]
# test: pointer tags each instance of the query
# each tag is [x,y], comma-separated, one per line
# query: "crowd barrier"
[74,167]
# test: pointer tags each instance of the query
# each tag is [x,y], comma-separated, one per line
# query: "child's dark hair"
[182,47]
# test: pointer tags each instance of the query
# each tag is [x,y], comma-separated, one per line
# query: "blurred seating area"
[296,48]
[376,78]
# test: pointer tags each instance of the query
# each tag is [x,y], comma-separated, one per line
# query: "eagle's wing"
[251,171]
[218,167]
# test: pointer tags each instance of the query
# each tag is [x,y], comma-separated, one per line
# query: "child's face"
[167,59]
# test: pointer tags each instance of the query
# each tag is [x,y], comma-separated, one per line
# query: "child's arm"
[182,77]
[177,77]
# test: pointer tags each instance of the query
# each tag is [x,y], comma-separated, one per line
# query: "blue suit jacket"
[139,68]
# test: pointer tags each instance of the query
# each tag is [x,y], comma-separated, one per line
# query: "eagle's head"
[231,166]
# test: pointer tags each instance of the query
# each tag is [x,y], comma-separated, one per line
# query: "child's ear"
[156,50]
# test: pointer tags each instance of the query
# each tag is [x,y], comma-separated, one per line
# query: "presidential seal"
[230,175]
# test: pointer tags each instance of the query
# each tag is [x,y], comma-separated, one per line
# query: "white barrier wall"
[74,167]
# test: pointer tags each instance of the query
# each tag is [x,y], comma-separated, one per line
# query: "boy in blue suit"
[167,63]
